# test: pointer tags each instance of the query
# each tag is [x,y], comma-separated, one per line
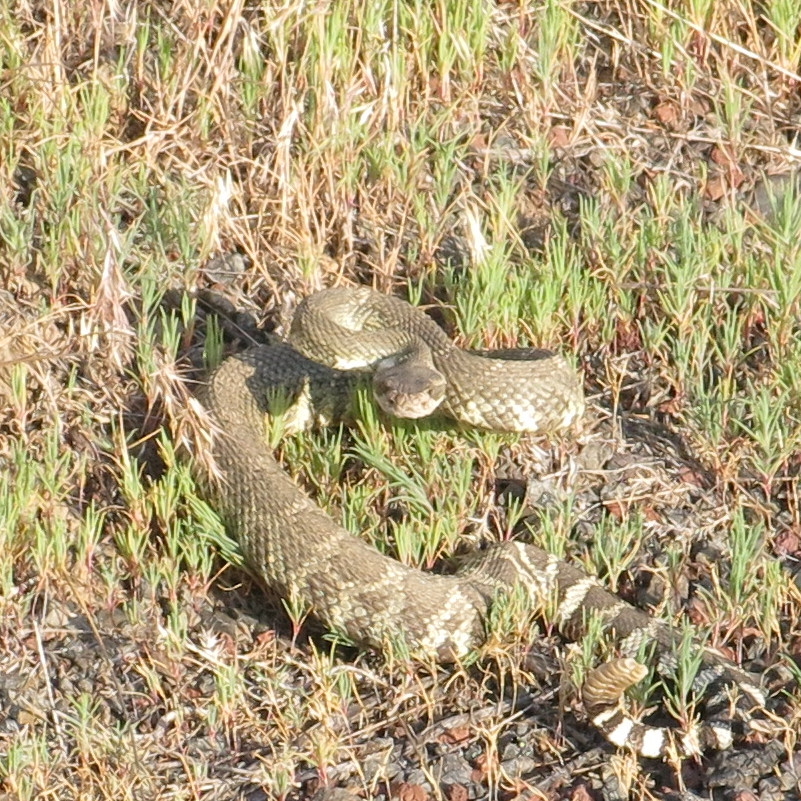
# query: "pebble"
[453,769]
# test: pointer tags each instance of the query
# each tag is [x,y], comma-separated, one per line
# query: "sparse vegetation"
[614,180]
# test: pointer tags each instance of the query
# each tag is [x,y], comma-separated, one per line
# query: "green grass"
[555,175]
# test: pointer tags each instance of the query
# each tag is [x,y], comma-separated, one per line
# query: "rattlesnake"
[304,556]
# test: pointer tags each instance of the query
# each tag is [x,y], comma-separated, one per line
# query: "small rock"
[335,794]
[519,766]
[453,769]
[225,268]
[410,791]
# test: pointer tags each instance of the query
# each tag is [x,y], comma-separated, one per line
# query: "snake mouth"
[412,406]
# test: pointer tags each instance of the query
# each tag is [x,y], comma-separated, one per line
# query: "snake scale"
[302,555]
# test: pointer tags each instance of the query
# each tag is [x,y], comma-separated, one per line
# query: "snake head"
[406,386]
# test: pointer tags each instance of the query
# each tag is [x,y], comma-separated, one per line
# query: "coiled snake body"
[303,555]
